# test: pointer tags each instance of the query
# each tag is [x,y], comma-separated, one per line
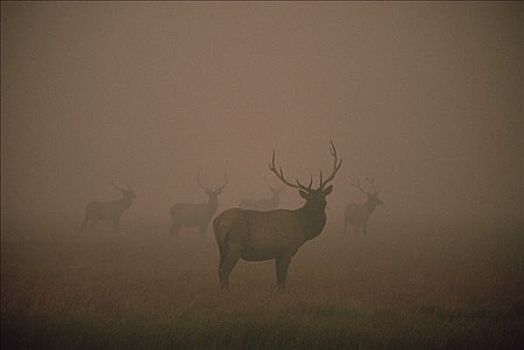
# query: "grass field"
[405,286]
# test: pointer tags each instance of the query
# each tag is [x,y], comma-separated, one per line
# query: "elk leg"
[227,263]
[346,227]
[282,265]
[92,224]
[365,227]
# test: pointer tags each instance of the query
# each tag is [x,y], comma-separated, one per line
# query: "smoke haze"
[425,97]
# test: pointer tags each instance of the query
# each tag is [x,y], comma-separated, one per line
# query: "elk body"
[357,215]
[196,215]
[108,210]
[277,234]
[263,204]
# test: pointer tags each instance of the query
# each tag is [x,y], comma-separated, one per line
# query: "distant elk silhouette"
[196,215]
[357,215]
[264,204]
[277,234]
[109,210]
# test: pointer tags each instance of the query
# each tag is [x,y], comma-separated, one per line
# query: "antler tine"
[199,182]
[332,148]
[357,185]
[118,188]
[225,183]
[281,176]
[371,180]
[336,165]
[310,183]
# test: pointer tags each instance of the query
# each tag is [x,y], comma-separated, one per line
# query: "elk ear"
[303,194]
[328,190]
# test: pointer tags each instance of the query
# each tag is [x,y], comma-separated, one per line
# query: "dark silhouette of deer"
[264,204]
[196,215]
[109,210]
[277,234]
[357,215]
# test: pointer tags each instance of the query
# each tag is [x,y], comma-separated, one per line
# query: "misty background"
[425,97]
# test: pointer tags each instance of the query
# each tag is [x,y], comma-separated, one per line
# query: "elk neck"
[212,204]
[313,219]
[125,202]
[371,206]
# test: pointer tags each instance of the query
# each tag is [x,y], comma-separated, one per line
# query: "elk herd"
[257,229]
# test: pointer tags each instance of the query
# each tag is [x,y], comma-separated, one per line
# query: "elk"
[109,210]
[357,215]
[196,215]
[264,204]
[277,234]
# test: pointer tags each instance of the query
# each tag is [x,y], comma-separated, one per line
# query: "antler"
[359,186]
[280,175]
[224,185]
[118,188]
[371,181]
[308,186]
[203,187]
[208,189]
[336,166]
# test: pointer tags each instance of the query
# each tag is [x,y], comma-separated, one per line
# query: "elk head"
[372,195]
[315,197]
[127,191]
[212,193]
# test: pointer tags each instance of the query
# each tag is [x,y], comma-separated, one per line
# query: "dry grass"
[401,287]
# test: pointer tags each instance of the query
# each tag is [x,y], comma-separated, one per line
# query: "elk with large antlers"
[264,204]
[196,215]
[357,215]
[109,211]
[277,234]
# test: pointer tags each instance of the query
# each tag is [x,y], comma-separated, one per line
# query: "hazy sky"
[425,97]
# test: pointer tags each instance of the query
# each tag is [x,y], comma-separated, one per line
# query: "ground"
[403,286]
